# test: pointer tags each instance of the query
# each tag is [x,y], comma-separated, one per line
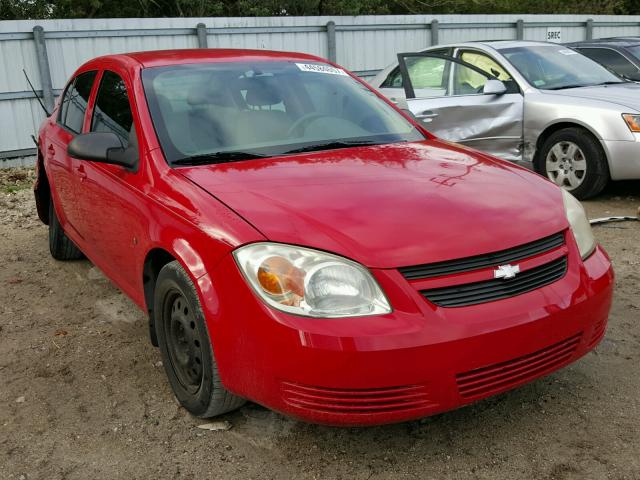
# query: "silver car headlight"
[580,225]
[309,282]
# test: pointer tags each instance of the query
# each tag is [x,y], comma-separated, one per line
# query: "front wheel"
[185,346]
[574,159]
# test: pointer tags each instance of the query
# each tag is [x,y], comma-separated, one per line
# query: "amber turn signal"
[633,121]
[278,276]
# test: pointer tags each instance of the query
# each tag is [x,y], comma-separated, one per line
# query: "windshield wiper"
[575,85]
[332,146]
[217,157]
[580,85]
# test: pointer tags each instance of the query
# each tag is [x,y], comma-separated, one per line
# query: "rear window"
[74,102]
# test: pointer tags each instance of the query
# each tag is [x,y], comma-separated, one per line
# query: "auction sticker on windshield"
[317,68]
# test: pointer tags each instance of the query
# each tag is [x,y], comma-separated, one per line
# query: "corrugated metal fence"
[50,50]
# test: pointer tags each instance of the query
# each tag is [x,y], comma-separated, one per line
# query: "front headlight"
[308,282]
[579,223]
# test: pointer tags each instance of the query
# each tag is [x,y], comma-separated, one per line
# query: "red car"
[299,242]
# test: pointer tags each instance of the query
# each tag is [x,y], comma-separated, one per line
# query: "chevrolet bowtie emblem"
[506,271]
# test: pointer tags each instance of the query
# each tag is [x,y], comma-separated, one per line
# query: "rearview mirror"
[494,87]
[103,147]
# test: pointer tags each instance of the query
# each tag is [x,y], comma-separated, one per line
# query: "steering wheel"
[303,120]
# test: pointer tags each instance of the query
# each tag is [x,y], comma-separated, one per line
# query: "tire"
[574,159]
[186,349]
[60,246]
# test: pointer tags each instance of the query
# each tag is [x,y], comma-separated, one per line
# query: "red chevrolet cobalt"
[299,242]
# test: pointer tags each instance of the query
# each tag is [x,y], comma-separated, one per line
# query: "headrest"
[261,92]
[214,91]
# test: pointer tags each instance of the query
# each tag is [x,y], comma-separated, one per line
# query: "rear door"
[62,168]
[447,96]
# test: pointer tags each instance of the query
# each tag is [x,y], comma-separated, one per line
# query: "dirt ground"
[83,393]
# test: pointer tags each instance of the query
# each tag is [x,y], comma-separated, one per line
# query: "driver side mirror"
[494,87]
[103,147]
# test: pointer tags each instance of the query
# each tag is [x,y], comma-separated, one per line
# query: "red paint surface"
[386,207]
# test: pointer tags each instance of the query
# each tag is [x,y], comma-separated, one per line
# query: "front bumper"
[417,361]
[624,158]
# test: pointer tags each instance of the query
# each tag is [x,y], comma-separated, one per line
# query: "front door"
[110,197]
[448,97]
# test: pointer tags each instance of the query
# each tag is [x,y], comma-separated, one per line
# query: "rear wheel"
[60,246]
[186,349]
[574,159]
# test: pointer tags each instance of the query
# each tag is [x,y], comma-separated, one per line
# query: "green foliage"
[25,9]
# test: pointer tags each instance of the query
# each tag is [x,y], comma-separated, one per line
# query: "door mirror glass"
[103,147]
[494,87]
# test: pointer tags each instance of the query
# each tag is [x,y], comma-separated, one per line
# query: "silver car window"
[551,67]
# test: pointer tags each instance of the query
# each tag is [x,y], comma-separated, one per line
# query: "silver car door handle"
[427,114]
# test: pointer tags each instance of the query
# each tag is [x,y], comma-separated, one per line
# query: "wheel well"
[550,130]
[156,259]
[42,190]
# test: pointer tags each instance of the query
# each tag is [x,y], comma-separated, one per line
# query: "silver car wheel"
[566,165]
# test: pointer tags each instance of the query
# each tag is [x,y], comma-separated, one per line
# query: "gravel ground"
[83,393]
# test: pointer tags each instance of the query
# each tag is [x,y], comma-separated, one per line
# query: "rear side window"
[75,100]
[112,112]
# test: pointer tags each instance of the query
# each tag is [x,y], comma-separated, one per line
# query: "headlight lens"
[308,282]
[633,121]
[580,225]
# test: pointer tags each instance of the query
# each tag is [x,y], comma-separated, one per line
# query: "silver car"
[540,104]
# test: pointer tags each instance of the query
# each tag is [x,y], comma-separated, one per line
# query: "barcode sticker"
[318,68]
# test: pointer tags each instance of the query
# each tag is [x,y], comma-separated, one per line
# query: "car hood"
[625,94]
[389,206]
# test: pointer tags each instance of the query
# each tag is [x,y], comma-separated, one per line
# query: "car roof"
[157,58]
[612,41]
[495,44]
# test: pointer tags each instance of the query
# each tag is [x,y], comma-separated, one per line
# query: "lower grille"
[490,290]
[598,332]
[502,376]
[356,401]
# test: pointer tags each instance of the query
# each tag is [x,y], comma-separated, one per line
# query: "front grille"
[496,289]
[501,376]
[484,261]
[356,401]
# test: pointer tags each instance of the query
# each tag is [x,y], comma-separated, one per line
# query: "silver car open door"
[459,102]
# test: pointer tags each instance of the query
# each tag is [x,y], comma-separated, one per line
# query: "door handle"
[51,150]
[427,114]
[81,173]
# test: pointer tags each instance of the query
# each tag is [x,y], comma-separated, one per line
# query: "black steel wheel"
[184,341]
[185,345]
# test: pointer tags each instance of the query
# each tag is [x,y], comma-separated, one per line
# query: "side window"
[112,111]
[429,75]
[394,80]
[467,81]
[74,102]
[489,65]
[610,59]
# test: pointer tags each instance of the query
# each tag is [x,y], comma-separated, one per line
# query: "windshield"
[552,67]
[208,113]
[635,50]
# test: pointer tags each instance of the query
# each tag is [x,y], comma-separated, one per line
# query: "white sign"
[554,34]
[319,68]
